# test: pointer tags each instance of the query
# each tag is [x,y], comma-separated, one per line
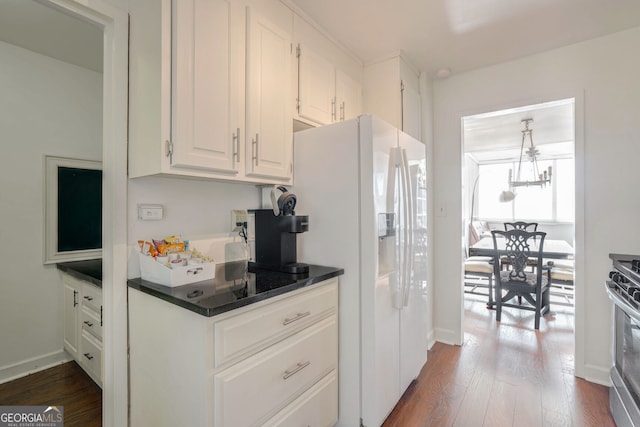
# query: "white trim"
[114,23]
[579,230]
[33,365]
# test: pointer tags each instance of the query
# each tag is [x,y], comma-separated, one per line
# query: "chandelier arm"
[534,157]
[520,161]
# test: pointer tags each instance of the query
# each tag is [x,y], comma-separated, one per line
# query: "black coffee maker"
[276,234]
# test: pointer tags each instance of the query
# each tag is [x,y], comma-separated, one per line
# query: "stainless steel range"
[623,289]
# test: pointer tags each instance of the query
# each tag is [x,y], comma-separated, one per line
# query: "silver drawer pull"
[88,298]
[299,367]
[296,317]
[89,324]
[88,356]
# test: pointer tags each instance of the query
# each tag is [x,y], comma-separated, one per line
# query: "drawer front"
[92,297]
[91,323]
[253,330]
[317,407]
[276,376]
[91,356]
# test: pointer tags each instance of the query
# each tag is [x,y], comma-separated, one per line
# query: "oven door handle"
[621,302]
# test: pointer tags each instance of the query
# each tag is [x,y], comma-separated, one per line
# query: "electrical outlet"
[239,217]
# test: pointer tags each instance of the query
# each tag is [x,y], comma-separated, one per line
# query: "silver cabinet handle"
[89,324]
[88,356]
[342,111]
[299,367]
[75,297]
[298,316]
[88,298]
[236,148]
[254,147]
[333,109]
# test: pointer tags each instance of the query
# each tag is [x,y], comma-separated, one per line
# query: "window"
[73,209]
[547,204]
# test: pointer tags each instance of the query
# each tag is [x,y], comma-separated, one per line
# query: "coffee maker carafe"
[276,233]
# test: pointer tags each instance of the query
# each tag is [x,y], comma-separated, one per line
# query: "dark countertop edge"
[138,284]
[87,270]
[623,257]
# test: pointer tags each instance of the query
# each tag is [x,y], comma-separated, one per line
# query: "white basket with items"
[168,262]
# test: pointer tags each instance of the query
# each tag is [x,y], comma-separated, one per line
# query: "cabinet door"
[316,87]
[269,135]
[204,120]
[71,316]
[348,96]
[411,111]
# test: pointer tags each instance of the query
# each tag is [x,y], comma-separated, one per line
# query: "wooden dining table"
[554,249]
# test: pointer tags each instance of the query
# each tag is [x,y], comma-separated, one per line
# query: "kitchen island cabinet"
[210,90]
[256,349]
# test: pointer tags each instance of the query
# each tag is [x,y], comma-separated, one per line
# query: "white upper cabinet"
[316,87]
[205,122]
[326,90]
[348,97]
[269,138]
[392,92]
[210,90]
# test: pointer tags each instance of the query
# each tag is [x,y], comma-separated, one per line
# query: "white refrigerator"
[363,184]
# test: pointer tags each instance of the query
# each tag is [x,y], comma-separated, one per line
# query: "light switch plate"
[150,212]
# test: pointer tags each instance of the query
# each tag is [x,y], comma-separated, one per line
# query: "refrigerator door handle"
[406,228]
[410,227]
[394,178]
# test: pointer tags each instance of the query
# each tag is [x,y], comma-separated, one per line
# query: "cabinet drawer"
[91,323]
[254,330]
[92,297]
[276,376]
[317,407]
[91,356]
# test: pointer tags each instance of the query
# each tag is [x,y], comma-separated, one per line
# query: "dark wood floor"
[63,385]
[504,374]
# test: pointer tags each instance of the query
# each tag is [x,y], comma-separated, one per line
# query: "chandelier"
[536,178]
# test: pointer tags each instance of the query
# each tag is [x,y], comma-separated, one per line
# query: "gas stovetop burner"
[625,280]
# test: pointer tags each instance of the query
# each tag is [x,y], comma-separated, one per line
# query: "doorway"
[494,156]
[110,22]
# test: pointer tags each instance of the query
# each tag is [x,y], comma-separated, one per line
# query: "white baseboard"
[596,374]
[30,366]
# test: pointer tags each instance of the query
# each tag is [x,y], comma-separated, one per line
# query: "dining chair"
[521,225]
[479,267]
[515,280]
[561,276]
[518,225]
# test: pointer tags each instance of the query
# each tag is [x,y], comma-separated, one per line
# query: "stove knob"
[613,274]
[636,297]
[632,289]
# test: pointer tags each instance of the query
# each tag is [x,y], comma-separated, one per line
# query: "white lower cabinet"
[316,407]
[83,324]
[274,362]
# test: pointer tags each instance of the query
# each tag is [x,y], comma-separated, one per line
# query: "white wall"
[603,76]
[199,211]
[47,107]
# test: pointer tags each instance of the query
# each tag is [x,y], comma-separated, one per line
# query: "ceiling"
[461,35]
[497,136]
[458,35]
[39,28]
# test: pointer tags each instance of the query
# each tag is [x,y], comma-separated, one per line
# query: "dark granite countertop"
[89,270]
[234,286]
